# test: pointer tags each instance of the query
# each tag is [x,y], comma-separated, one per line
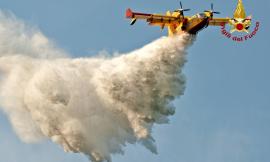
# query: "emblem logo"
[240,23]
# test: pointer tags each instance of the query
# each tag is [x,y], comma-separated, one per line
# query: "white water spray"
[90,105]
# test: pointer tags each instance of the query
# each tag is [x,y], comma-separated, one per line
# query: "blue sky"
[224,115]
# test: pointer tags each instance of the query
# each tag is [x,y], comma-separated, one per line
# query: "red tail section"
[129,13]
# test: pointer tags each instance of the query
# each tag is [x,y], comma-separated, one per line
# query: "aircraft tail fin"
[129,13]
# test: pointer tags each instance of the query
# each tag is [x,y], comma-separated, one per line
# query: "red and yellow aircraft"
[177,22]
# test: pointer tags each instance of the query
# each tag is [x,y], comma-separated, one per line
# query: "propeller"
[181,10]
[212,10]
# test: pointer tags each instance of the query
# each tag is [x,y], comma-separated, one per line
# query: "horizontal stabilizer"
[133,21]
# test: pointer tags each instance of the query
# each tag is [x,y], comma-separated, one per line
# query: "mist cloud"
[90,105]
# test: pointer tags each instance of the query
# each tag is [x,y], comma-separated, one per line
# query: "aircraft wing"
[153,19]
[219,21]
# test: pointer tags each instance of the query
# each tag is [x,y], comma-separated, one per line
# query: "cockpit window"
[201,15]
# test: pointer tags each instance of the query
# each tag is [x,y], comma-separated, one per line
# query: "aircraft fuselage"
[196,23]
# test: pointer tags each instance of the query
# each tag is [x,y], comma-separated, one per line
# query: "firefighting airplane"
[177,22]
